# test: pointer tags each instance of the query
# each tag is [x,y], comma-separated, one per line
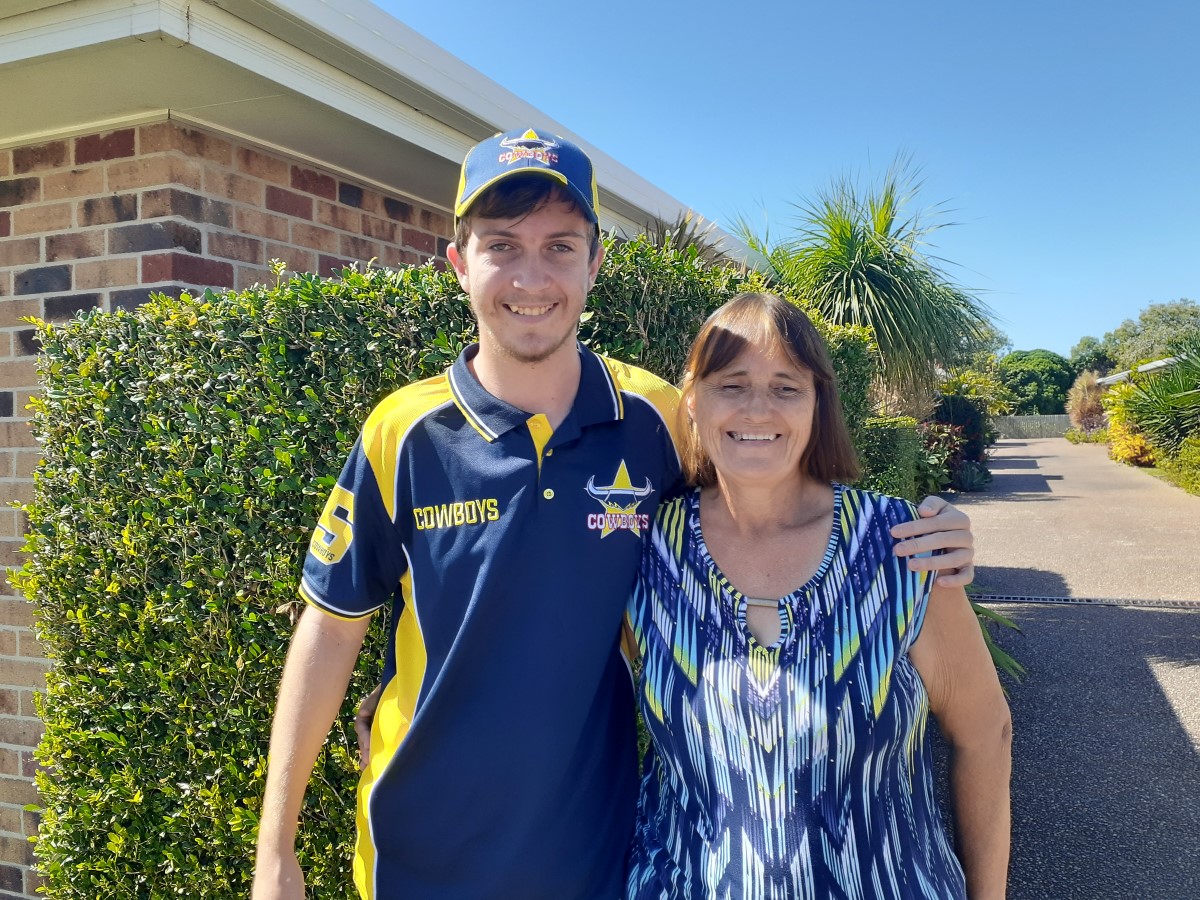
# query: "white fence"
[1032,426]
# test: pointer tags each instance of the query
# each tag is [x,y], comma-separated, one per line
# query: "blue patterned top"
[799,769]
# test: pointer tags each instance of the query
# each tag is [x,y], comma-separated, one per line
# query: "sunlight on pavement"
[1178,684]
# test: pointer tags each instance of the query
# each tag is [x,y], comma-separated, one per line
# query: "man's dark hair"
[514,198]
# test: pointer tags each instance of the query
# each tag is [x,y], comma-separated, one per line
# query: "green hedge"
[188,447]
[888,449]
[1183,467]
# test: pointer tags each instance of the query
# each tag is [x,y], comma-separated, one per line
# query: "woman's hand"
[942,527]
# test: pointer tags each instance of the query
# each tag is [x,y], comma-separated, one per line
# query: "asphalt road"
[1106,780]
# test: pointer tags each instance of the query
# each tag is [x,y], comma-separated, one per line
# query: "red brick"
[5,224]
[106,273]
[17,791]
[380,229]
[248,276]
[397,209]
[186,205]
[235,246]
[67,306]
[17,373]
[24,672]
[9,704]
[40,219]
[40,157]
[75,183]
[16,849]
[261,165]
[20,191]
[145,236]
[108,210]
[294,258]
[328,265]
[289,203]
[25,343]
[5,284]
[13,311]
[42,280]
[8,642]
[75,245]
[420,240]
[190,141]
[436,222]
[372,202]
[5,162]
[111,145]
[339,217]
[313,182]
[17,613]
[29,704]
[154,171]
[12,877]
[350,195]
[233,186]
[20,251]
[25,460]
[193,270]
[315,237]
[394,257]
[262,224]
[29,646]
[359,248]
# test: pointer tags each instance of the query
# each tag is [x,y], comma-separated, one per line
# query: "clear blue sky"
[1063,137]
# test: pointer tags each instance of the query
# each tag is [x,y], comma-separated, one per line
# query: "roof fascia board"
[73,26]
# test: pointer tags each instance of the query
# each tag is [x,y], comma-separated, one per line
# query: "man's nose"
[531,274]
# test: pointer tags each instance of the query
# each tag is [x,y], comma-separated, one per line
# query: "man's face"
[527,279]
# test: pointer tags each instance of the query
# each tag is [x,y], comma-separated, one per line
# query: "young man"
[499,508]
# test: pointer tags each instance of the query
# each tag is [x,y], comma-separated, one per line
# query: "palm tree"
[859,260]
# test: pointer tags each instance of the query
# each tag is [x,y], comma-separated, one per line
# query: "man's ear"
[460,266]
[594,267]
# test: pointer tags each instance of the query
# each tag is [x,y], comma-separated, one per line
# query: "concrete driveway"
[1106,781]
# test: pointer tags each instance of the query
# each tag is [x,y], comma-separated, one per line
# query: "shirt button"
[548,493]
[550,452]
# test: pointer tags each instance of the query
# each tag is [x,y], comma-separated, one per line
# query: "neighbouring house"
[164,145]
[1118,377]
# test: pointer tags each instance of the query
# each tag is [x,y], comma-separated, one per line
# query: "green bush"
[1097,436]
[968,413]
[188,448]
[1183,468]
[888,449]
[940,453]
[1165,405]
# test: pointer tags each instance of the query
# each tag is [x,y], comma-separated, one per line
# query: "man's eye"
[499,247]
[563,248]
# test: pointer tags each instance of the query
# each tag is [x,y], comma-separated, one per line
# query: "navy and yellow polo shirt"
[503,759]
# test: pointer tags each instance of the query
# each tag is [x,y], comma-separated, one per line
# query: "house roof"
[341,84]
[1118,377]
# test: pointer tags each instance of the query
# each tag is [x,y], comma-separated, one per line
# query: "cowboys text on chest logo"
[620,501]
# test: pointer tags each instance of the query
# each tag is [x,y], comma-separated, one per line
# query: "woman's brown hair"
[765,322]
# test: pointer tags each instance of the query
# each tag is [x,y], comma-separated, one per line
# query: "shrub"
[1126,443]
[971,476]
[1083,402]
[940,452]
[1096,436]
[1183,468]
[968,414]
[188,446]
[888,448]
[1165,405]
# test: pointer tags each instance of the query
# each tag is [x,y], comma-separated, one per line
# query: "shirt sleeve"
[355,559]
[912,597]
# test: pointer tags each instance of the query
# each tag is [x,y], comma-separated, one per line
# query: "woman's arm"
[966,698]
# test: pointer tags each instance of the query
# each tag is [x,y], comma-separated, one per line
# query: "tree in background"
[1160,330]
[1039,380]
[1091,355]
[857,257]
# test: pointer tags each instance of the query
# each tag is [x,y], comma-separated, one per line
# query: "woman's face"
[754,418]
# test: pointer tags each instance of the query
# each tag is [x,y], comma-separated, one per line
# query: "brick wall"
[104,220]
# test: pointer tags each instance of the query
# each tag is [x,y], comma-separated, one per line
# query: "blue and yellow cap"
[523,151]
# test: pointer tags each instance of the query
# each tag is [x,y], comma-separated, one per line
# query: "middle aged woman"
[790,660]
